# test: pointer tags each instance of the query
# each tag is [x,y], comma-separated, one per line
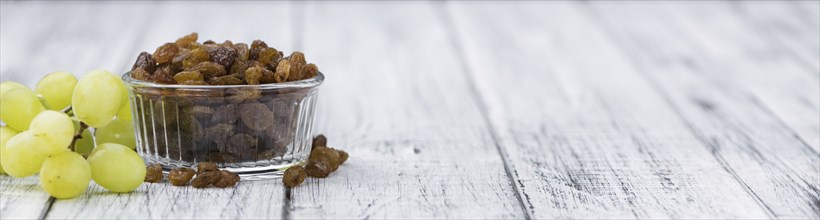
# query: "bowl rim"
[305,83]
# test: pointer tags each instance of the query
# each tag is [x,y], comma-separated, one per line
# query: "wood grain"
[587,135]
[757,147]
[251,199]
[22,198]
[395,98]
[793,27]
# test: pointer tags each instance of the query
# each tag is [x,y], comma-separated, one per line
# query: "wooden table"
[485,109]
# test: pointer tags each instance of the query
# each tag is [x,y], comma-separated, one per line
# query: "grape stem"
[78,136]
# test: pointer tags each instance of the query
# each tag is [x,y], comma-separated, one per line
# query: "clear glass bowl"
[257,131]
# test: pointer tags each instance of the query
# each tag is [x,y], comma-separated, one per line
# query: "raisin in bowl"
[257,131]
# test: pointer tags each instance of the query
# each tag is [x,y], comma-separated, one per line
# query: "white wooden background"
[485,109]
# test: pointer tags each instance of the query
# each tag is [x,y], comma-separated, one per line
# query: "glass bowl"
[257,131]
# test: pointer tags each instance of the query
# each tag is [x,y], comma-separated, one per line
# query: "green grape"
[25,153]
[65,175]
[97,98]
[54,126]
[125,110]
[18,106]
[119,132]
[116,167]
[56,89]
[86,144]
[8,86]
[5,134]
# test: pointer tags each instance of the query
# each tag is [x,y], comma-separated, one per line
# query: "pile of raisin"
[322,161]
[206,173]
[189,62]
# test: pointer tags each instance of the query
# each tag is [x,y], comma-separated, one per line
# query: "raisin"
[223,56]
[239,67]
[183,54]
[243,53]
[319,141]
[242,145]
[325,154]
[165,53]
[342,156]
[294,176]
[267,76]
[194,82]
[256,116]
[227,43]
[210,69]
[318,169]
[204,179]
[244,94]
[197,56]
[297,58]
[224,114]
[256,46]
[226,80]
[188,76]
[269,57]
[180,176]
[201,111]
[282,71]
[162,76]
[187,40]
[140,74]
[226,179]
[253,75]
[203,167]
[153,173]
[145,62]
[310,71]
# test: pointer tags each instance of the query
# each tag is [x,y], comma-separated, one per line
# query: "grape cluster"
[48,131]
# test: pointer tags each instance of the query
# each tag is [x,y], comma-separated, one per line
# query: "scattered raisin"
[180,176]
[320,141]
[203,167]
[153,173]
[204,179]
[294,176]
[145,62]
[165,53]
[226,179]
[318,169]
[342,156]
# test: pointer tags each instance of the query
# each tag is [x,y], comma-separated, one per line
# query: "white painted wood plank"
[396,99]
[250,199]
[587,135]
[795,30]
[706,88]
[22,198]
[780,85]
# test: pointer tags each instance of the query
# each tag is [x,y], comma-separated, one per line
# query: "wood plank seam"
[443,11]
